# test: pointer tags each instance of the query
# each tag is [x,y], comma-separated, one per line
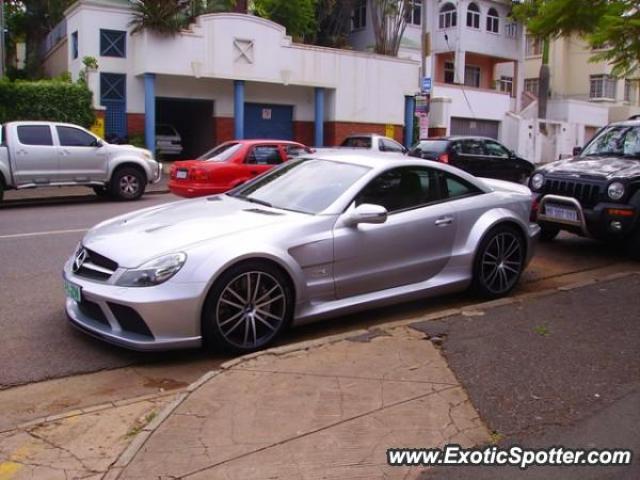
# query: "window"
[533,46]
[472,76]
[532,85]
[113,86]
[74,45]
[390,146]
[401,189]
[494,149]
[506,84]
[456,187]
[472,147]
[449,72]
[414,12]
[448,16]
[264,155]
[356,142]
[629,92]
[603,86]
[473,16]
[221,153]
[511,29]
[295,151]
[74,137]
[35,135]
[359,18]
[493,21]
[113,43]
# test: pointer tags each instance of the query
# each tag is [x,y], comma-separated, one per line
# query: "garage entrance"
[193,120]
[468,126]
[268,121]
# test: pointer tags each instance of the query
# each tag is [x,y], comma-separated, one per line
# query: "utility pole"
[2,46]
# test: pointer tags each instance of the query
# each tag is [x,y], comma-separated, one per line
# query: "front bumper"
[532,241]
[163,317]
[158,174]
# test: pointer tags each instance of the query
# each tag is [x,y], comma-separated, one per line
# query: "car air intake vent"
[93,311]
[588,194]
[130,320]
[263,212]
[90,264]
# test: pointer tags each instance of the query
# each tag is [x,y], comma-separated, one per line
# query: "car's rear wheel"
[247,308]
[499,262]
[127,184]
[548,233]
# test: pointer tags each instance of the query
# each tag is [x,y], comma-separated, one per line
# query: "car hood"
[132,239]
[607,167]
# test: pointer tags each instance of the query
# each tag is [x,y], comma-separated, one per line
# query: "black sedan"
[482,157]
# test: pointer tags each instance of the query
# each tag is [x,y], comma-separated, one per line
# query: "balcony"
[471,102]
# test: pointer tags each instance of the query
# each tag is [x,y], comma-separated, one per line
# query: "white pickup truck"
[39,154]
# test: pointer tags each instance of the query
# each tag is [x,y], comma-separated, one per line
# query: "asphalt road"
[38,343]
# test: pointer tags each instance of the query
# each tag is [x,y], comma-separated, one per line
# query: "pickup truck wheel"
[1,189]
[127,184]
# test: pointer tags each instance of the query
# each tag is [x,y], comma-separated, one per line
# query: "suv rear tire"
[128,183]
[548,233]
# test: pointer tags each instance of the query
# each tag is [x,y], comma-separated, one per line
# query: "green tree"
[389,22]
[297,16]
[333,19]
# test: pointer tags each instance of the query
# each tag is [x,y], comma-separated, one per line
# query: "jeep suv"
[596,193]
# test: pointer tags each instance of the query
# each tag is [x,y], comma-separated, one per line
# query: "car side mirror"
[367,213]
[577,151]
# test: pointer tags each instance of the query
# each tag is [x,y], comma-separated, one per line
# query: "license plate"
[181,174]
[561,213]
[73,291]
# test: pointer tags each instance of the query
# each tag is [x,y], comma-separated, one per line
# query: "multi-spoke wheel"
[127,184]
[499,262]
[247,308]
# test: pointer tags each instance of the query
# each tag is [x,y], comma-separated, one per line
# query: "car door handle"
[444,221]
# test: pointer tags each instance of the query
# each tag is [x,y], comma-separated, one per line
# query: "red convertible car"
[230,164]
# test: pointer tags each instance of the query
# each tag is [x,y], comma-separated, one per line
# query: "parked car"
[44,154]
[482,157]
[597,192]
[374,142]
[168,140]
[229,165]
[319,236]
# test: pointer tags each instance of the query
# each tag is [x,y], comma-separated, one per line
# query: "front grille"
[94,265]
[588,194]
[93,311]
[130,320]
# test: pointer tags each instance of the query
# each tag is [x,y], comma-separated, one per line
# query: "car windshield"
[622,141]
[305,185]
[221,153]
[356,142]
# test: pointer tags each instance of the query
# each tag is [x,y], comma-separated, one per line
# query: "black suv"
[597,192]
[480,156]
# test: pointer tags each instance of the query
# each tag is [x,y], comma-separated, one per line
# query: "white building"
[475,61]
[229,76]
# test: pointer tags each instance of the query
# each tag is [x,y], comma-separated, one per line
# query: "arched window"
[493,21]
[473,16]
[448,16]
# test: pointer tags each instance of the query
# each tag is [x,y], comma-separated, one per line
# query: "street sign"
[426,85]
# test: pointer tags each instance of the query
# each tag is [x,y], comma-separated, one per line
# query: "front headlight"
[537,181]
[154,272]
[616,191]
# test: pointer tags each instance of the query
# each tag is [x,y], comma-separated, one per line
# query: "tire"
[499,262]
[632,245]
[127,183]
[102,192]
[1,188]
[235,325]
[548,233]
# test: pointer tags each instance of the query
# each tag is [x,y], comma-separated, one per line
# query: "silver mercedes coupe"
[318,237]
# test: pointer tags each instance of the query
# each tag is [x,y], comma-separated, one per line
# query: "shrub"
[52,100]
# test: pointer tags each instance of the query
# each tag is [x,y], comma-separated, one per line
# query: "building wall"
[57,60]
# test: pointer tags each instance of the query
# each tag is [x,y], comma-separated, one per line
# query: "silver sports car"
[317,237]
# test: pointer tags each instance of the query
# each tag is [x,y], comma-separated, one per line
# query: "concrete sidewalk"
[331,408]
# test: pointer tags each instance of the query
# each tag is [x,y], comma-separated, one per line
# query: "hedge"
[53,100]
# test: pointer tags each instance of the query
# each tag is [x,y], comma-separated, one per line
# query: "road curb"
[22,202]
[125,458]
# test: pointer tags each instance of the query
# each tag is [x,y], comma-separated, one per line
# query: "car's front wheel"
[499,262]
[127,184]
[247,308]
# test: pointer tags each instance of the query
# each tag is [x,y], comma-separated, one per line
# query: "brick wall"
[223,129]
[336,132]
[304,132]
[135,124]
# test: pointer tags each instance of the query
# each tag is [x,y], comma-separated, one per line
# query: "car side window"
[73,137]
[471,147]
[401,189]
[356,142]
[494,149]
[457,188]
[35,135]
[264,155]
[390,146]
